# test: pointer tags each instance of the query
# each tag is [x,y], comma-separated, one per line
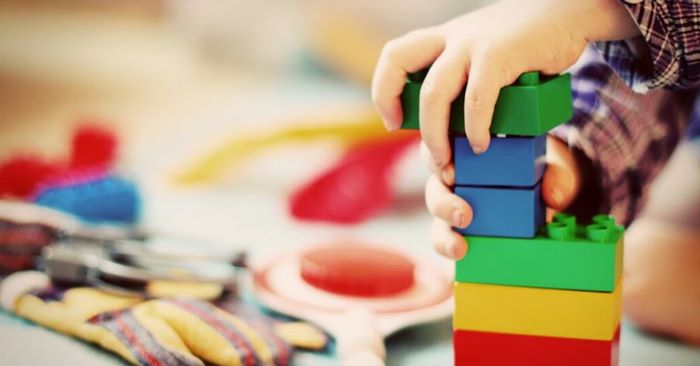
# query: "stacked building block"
[527,293]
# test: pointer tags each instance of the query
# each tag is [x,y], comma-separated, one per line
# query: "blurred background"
[177,80]
[173,63]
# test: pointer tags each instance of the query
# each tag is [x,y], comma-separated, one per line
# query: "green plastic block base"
[530,107]
[563,255]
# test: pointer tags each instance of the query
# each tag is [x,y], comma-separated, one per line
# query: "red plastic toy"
[21,176]
[93,153]
[94,147]
[357,187]
[357,270]
[498,349]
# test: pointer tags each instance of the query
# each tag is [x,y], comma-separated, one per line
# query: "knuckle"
[482,96]
[475,101]
[431,195]
[435,145]
[460,43]
[439,246]
[396,46]
[391,49]
[498,68]
[428,160]
[431,94]
[417,33]
[487,51]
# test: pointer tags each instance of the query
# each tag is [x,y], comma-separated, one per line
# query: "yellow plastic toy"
[214,165]
[536,311]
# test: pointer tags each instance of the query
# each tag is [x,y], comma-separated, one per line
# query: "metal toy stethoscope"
[119,259]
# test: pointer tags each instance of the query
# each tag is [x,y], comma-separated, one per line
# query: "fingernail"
[447,176]
[556,196]
[478,149]
[389,125]
[457,219]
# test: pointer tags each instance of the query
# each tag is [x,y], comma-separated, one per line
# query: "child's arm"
[490,47]
[625,136]
[666,53]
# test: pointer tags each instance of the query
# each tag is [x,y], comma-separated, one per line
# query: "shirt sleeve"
[627,136]
[668,52]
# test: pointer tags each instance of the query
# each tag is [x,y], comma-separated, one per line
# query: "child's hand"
[490,48]
[560,184]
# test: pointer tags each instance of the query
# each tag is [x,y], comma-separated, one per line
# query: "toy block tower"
[527,293]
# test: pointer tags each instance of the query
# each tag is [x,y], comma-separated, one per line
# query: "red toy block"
[473,348]
[93,147]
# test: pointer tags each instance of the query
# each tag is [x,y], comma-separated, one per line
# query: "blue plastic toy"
[508,162]
[108,199]
[508,212]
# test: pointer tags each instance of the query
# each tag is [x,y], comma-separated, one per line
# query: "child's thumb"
[559,186]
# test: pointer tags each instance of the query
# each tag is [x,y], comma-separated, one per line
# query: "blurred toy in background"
[213,165]
[102,199]
[93,148]
[115,258]
[169,331]
[20,243]
[21,175]
[150,305]
[384,272]
[84,184]
[356,188]
[360,293]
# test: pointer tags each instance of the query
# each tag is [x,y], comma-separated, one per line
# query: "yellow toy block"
[536,311]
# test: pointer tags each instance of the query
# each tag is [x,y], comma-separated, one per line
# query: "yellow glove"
[178,331]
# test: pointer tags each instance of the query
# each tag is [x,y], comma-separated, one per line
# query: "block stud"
[598,232]
[569,221]
[558,231]
[531,78]
[606,220]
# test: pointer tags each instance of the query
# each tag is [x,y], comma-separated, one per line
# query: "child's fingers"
[407,54]
[561,181]
[445,173]
[557,187]
[447,242]
[446,205]
[443,83]
[485,81]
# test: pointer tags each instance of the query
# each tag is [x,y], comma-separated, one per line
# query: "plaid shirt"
[631,107]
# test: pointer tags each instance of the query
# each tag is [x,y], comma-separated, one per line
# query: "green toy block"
[563,255]
[532,106]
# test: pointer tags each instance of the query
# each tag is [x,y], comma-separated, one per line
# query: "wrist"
[606,20]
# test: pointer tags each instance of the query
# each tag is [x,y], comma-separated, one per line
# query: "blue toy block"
[506,212]
[508,162]
[108,199]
